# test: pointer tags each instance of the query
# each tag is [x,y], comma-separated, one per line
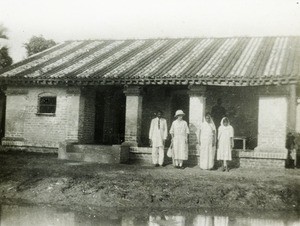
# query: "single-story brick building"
[104,92]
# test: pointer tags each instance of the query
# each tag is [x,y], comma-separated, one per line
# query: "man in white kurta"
[157,135]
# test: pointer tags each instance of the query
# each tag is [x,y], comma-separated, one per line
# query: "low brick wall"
[13,141]
[142,155]
[261,163]
[28,149]
[256,159]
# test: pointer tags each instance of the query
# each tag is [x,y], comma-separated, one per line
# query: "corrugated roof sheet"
[209,61]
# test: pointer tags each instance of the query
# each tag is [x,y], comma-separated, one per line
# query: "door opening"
[110,117]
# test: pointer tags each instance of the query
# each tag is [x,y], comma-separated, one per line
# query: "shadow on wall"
[241,105]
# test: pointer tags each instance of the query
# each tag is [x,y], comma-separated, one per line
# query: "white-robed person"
[157,136]
[207,142]
[179,132]
[225,142]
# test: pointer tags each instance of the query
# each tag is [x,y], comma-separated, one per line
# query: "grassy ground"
[43,179]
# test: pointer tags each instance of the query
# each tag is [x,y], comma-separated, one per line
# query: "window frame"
[46,95]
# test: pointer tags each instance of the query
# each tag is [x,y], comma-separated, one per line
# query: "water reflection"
[166,220]
[211,221]
[20,215]
[14,215]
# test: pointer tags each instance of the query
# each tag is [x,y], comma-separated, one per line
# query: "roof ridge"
[182,38]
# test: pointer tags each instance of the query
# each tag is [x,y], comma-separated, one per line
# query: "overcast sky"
[120,19]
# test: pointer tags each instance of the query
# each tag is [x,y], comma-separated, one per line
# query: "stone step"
[93,153]
[91,148]
[93,157]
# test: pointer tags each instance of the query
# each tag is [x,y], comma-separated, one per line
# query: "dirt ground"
[43,179]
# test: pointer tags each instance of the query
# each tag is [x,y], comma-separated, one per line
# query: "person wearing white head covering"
[207,142]
[179,132]
[225,142]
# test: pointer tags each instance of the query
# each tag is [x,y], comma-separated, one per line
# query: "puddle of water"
[16,215]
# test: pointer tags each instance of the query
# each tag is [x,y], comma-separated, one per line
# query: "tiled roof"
[209,61]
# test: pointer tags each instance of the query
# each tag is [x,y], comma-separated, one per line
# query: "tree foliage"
[5,59]
[3,31]
[38,44]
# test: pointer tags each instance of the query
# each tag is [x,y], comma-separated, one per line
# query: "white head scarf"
[208,128]
[223,128]
[222,122]
[211,124]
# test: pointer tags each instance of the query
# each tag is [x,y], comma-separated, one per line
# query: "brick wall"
[273,122]
[40,130]
[133,120]
[73,119]
[15,115]
[143,155]
[72,113]
[298,116]
[241,104]
[259,159]
[140,155]
[297,126]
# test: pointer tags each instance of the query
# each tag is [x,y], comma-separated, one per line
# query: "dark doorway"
[110,106]
[2,114]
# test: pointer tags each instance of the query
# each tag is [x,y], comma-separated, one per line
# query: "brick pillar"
[108,117]
[72,122]
[15,116]
[272,125]
[292,108]
[196,113]
[133,115]
[298,116]
[273,121]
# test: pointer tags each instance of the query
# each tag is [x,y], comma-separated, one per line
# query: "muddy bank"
[43,179]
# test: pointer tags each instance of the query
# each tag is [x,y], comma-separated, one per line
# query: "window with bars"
[47,105]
